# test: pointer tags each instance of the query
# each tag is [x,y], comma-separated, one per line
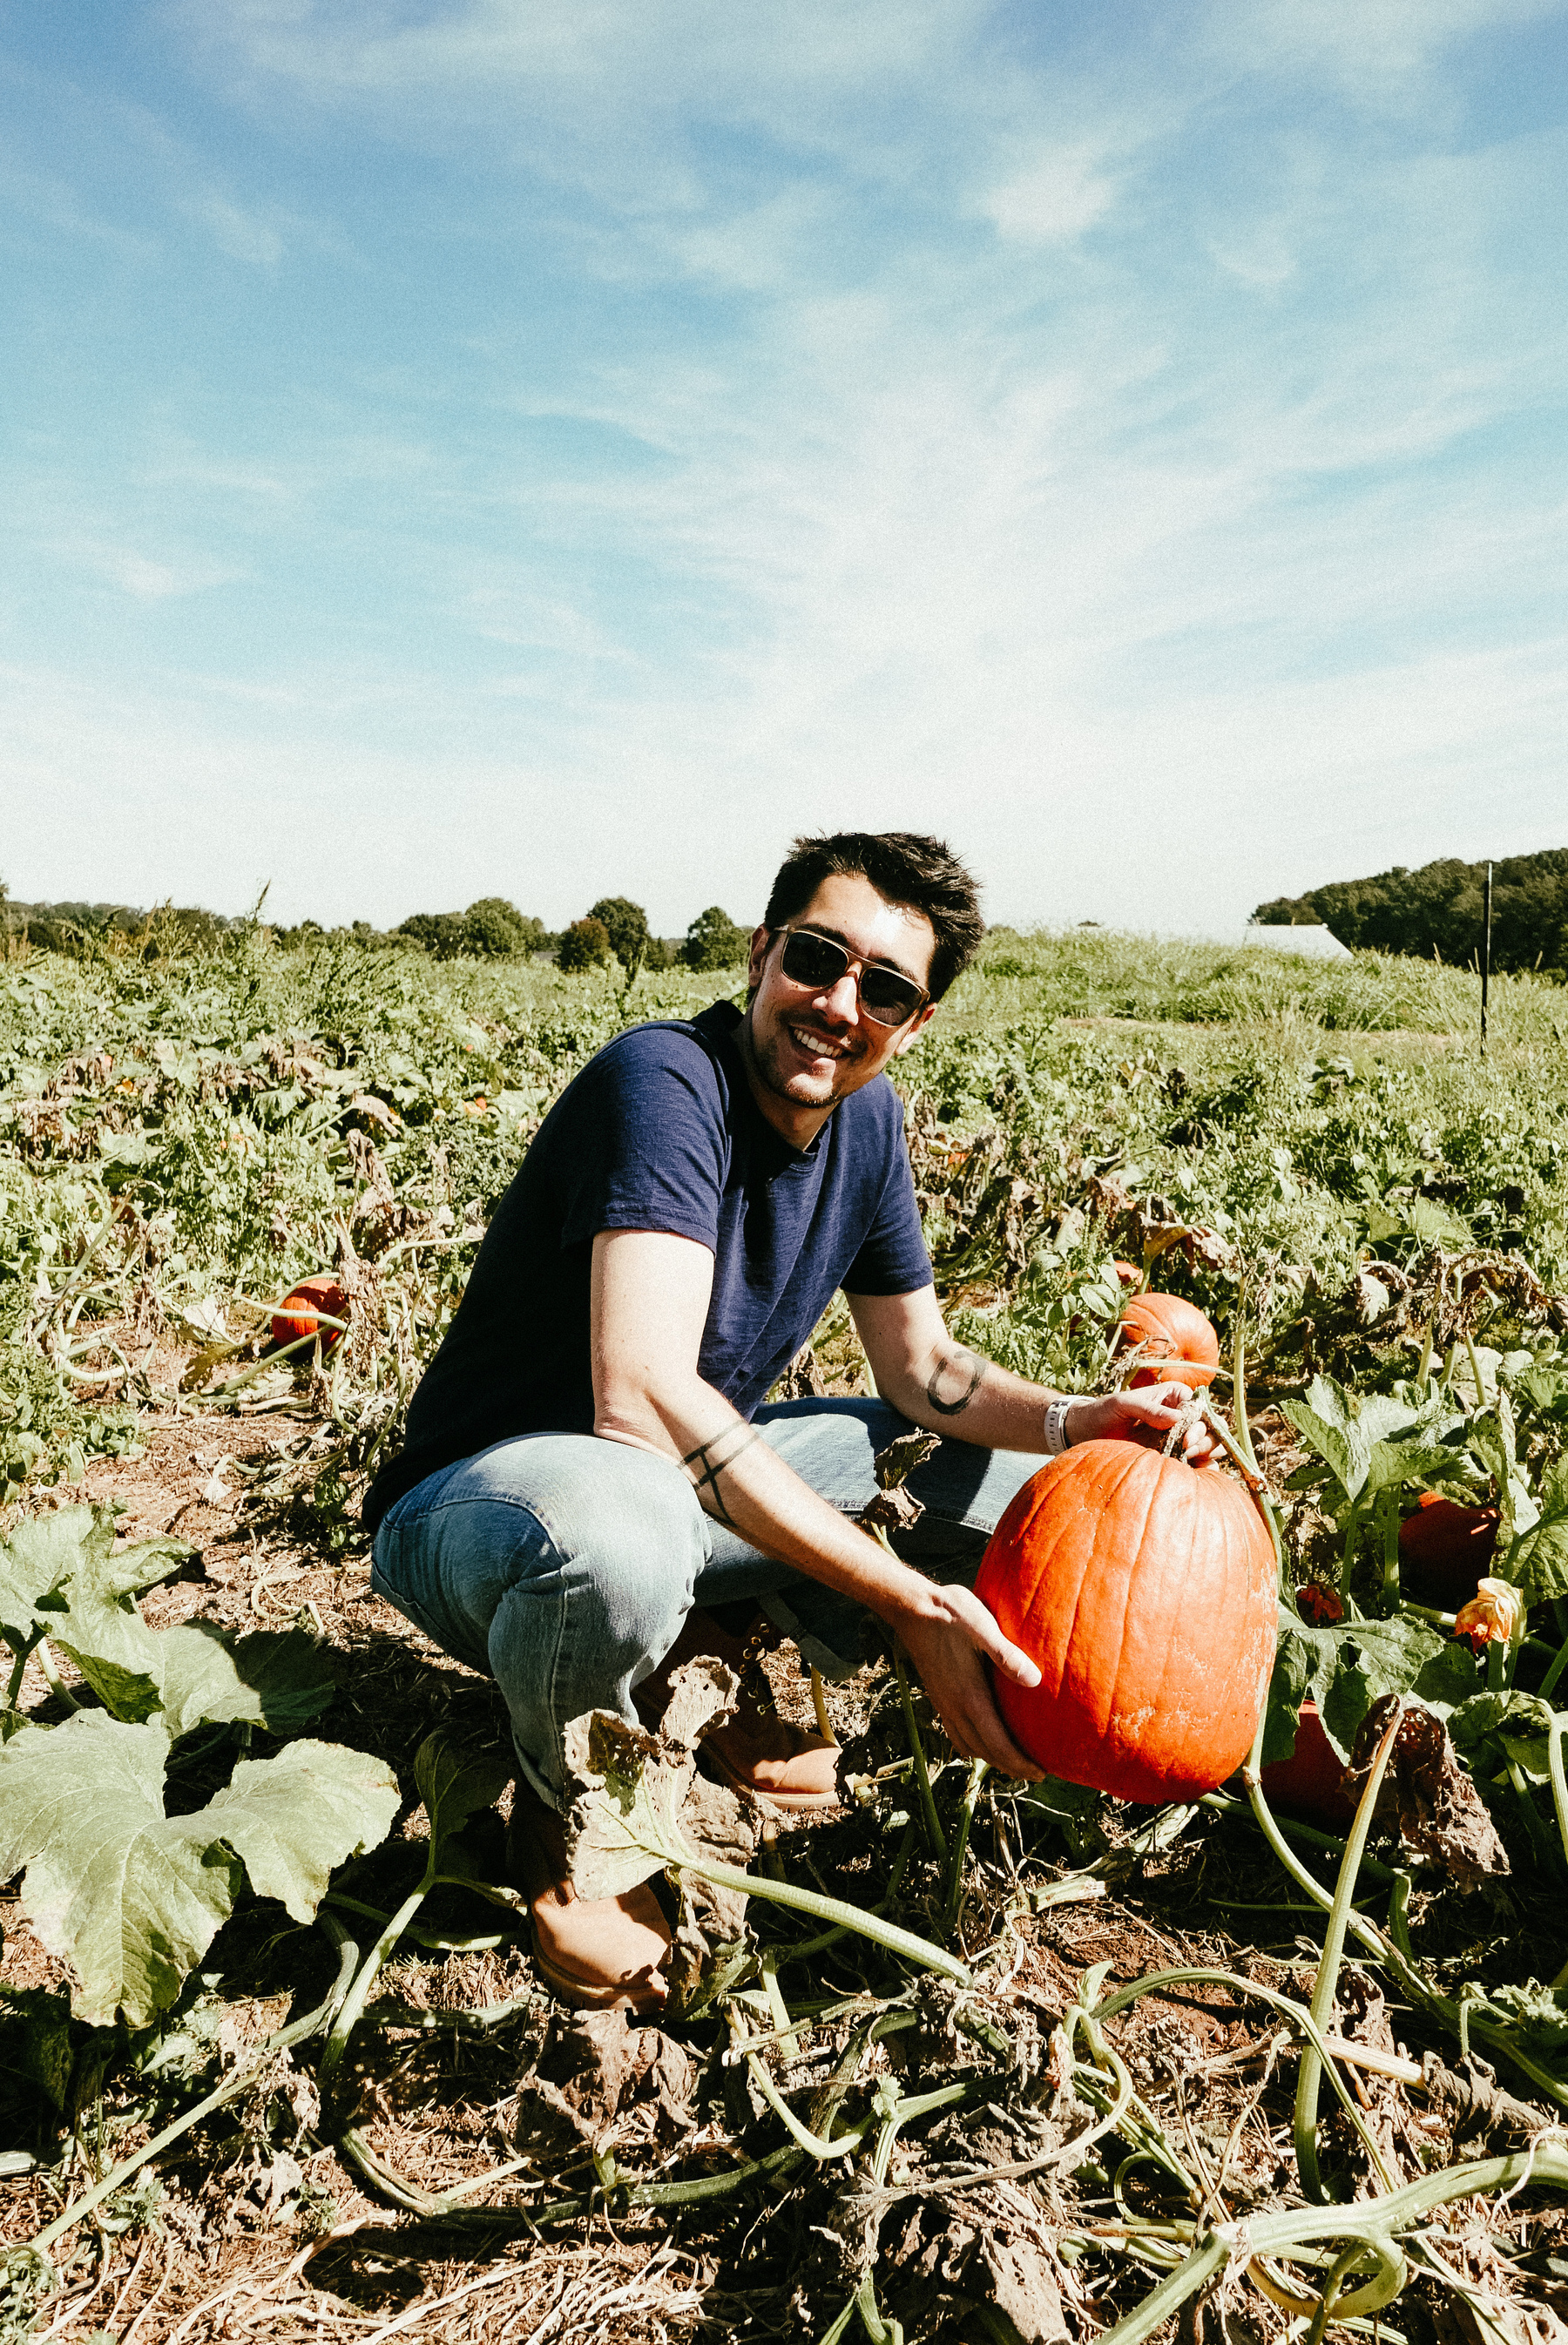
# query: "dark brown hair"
[906,868]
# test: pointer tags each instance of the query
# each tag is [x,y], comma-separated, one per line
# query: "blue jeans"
[563,1565]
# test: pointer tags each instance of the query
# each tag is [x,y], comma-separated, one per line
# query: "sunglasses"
[888,998]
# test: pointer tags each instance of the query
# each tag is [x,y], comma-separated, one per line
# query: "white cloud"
[138,574]
[1054,200]
[1367,48]
[239,233]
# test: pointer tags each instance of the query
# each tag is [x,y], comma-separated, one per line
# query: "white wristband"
[1056,1427]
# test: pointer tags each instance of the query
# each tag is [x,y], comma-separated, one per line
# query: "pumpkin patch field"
[1249,2022]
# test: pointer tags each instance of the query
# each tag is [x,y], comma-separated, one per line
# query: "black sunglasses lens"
[885,997]
[814,961]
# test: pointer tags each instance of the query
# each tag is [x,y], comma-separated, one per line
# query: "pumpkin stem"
[1249,1473]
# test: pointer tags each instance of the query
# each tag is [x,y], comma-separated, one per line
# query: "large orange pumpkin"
[1175,1333]
[1445,1550]
[1145,1589]
[299,1315]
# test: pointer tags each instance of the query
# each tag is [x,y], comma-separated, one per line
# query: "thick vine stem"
[935,1837]
[835,1911]
[236,2078]
[505,2221]
[1297,2013]
[1328,1979]
[1368,2220]
[1555,1734]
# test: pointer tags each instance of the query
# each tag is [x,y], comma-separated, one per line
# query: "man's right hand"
[951,1636]
[650,1297]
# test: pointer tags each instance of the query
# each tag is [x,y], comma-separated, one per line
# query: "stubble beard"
[797,1088]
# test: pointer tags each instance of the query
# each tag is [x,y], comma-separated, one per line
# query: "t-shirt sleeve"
[646,1150]
[893,1259]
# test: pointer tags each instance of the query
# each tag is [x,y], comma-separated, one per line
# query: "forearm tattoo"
[710,1459]
[960,1362]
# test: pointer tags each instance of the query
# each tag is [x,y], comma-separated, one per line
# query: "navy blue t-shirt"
[660,1132]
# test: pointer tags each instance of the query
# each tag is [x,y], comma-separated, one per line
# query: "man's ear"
[759,938]
[912,1035]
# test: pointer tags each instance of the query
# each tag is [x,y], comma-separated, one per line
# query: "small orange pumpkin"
[1145,1592]
[298,1316]
[1445,1550]
[1175,1335]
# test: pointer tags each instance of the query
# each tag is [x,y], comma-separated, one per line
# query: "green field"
[1318,1154]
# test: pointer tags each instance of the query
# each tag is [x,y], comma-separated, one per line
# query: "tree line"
[612,930]
[1439,910]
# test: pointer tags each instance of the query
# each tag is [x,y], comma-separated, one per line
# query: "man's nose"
[842,1000]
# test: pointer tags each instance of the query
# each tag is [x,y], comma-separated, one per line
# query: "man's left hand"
[1145,1417]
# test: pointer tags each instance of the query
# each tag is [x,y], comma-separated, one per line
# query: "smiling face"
[806,1048]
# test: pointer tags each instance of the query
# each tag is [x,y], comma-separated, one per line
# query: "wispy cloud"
[1131,455]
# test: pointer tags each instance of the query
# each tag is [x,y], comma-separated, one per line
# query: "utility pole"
[1485,959]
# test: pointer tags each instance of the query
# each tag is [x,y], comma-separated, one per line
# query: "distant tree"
[585,944]
[439,934]
[663,953]
[1285,912]
[626,926]
[1440,909]
[716,941]
[494,930]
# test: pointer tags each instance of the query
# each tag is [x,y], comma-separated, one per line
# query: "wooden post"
[1485,959]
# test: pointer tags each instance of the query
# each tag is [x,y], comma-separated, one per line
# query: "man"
[590,1463]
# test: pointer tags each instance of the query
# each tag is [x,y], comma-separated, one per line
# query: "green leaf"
[115,1887]
[1545,1387]
[1436,1224]
[1393,1463]
[1345,1669]
[1540,1561]
[76,1543]
[131,1897]
[279,1680]
[61,1577]
[295,1817]
[454,1785]
[1490,1728]
[1327,1424]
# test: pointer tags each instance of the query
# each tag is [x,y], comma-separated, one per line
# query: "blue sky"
[456,447]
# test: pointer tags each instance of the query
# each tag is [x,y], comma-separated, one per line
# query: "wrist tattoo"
[961,1363]
[710,1459]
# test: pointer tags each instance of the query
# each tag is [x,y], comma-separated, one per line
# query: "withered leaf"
[1426,1798]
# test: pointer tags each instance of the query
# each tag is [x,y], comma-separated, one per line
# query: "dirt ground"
[256,2226]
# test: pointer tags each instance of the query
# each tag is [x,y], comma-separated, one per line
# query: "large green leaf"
[1490,1728]
[132,1897]
[294,1817]
[128,1896]
[277,1678]
[1345,1669]
[456,1785]
[110,1643]
[62,1576]
[1540,1561]
[1369,1444]
[76,1543]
